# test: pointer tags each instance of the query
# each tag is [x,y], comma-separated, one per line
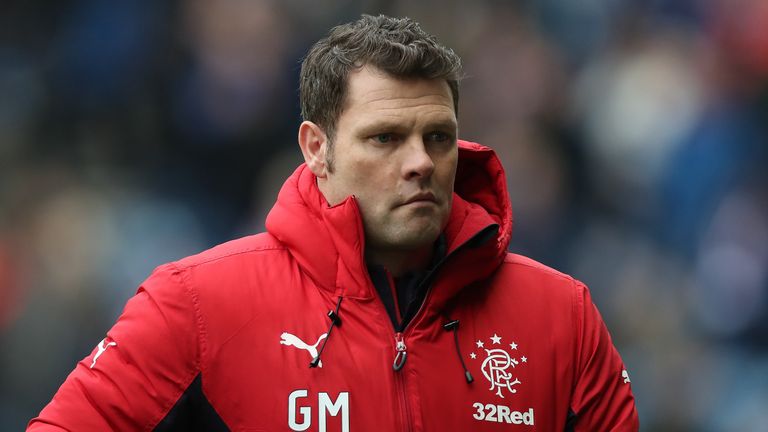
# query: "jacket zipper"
[400,347]
[400,356]
[401,353]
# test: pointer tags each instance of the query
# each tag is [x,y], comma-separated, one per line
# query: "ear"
[313,142]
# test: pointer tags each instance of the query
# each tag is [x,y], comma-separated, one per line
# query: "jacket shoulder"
[524,264]
[242,246]
[539,280]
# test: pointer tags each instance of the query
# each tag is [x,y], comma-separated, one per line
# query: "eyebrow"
[389,126]
[443,124]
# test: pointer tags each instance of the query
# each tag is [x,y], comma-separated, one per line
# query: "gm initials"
[324,405]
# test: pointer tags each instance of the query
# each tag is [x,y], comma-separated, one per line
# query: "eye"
[438,137]
[384,138]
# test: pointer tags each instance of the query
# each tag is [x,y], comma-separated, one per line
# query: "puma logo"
[291,340]
[102,348]
[625,375]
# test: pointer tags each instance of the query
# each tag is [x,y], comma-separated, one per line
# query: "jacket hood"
[329,244]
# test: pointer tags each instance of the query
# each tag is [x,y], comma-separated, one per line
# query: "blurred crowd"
[633,133]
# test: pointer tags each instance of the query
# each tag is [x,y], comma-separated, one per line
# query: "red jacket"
[224,339]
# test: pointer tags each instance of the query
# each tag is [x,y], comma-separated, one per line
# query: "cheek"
[373,194]
[368,184]
[371,174]
[446,173]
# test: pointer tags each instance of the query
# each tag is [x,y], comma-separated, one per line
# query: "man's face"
[395,150]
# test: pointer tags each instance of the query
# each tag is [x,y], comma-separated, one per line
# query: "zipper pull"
[400,353]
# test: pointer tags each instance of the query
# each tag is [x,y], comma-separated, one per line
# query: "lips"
[421,197]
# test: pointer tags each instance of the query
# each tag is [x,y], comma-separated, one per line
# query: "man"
[380,298]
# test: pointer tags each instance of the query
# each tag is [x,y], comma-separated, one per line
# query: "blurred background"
[633,133]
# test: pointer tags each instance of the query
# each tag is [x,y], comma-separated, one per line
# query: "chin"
[418,238]
[409,234]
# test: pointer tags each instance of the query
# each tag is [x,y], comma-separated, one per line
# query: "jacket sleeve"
[136,374]
[602,398]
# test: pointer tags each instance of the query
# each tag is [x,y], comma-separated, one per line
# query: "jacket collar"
[328,242]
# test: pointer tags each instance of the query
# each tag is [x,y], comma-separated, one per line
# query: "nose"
[417,161]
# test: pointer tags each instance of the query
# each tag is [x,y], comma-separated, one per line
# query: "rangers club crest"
[498,361]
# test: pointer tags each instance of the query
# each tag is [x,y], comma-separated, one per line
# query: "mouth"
[421,198]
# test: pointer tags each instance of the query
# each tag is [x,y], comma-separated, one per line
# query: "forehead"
[374,92]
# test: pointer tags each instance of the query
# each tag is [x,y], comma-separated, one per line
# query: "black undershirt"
[410,288]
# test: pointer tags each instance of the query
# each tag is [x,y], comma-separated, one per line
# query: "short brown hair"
[397,46]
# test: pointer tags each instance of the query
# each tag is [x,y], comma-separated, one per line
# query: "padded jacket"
[284,331]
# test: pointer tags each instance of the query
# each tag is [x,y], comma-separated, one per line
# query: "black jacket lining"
[411,288]
[192,412]
[570,422]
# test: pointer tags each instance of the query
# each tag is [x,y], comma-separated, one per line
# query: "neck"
[400,262]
